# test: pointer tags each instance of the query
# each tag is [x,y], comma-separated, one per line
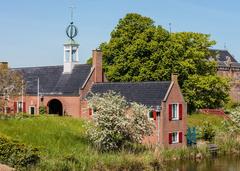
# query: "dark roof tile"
[147,93]
[53,81]
[222,55]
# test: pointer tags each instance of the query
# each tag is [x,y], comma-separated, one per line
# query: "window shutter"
[90,111]
[170,138]
[24,107]
[15,107]
[154,114]
[180,137]
[170,111]
[180,111]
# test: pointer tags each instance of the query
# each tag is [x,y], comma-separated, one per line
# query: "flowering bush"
[233,124]
[116,122]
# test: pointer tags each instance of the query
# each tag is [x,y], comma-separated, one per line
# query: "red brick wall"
[71,104]
[234,77]
[175,96]
[166,126]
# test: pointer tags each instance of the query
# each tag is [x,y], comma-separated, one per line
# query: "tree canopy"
[11,84]
[139,50]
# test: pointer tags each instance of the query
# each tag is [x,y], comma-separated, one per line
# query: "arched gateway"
[55,107]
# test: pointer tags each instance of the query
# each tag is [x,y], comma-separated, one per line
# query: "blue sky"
[32,32]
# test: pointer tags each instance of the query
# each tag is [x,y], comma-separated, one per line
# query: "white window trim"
[148,115]
[29,109]
[18,107]
[177,139]
[177,118]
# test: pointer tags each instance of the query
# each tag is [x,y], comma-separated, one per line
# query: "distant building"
[229,67]
[63,91]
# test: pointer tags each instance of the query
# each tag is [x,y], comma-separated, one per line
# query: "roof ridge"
[220,50]
[140,82]
[48,66]
[38,67]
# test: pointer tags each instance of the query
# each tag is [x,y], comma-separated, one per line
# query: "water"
[214,164]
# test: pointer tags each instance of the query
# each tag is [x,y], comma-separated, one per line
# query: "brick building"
[63,91]
[229,67]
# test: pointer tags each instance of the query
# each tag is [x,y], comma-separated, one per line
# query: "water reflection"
[215,164]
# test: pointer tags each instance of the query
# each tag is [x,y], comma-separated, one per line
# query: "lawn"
[197,120]
[63,144]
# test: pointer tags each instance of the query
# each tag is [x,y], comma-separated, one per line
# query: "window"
[150,114]
[175,111]
[92,111]
[175,137]
[32,110]
[19,107]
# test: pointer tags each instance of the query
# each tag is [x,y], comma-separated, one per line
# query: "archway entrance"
[55,107]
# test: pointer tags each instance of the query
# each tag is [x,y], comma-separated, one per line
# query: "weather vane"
[71,30]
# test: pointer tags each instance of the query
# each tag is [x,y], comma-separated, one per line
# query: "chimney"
[97,64]
[174,77]
[3,65]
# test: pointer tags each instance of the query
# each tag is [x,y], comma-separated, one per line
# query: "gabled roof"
[53,81]
[222,55]
[147,93]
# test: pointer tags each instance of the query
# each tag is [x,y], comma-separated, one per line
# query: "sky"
[32,32]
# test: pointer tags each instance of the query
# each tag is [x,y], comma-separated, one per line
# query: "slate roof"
[147,93]
[223,54]
[222,64]
[235,64]
[53,81]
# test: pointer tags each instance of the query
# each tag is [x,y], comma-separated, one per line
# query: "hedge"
[16,154]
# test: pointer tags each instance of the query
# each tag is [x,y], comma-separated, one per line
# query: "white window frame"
[29,110]
[148,115]
[177,137]
[19,106]
[177,114]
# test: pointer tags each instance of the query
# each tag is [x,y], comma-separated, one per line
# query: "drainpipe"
[158,119]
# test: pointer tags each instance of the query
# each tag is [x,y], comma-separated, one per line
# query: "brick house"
[63,91]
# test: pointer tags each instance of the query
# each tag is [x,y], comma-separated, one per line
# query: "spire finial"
[72,8]
[170,27]
[225,46]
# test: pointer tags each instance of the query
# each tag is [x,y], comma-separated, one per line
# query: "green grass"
[197,120]
[63,144]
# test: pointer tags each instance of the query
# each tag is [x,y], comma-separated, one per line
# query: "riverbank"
[63,145]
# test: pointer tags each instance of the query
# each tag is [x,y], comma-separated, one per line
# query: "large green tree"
[141,51]
[205,91]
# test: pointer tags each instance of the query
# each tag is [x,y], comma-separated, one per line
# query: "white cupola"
[70,49]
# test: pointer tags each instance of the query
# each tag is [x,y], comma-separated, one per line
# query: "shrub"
[208,132]
[42,110]
[16,154]
[116,122]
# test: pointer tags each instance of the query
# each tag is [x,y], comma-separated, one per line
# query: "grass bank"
[64,146]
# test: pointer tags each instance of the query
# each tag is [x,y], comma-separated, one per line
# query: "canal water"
[214,164]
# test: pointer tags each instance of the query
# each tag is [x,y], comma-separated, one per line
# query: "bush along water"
[16,154]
